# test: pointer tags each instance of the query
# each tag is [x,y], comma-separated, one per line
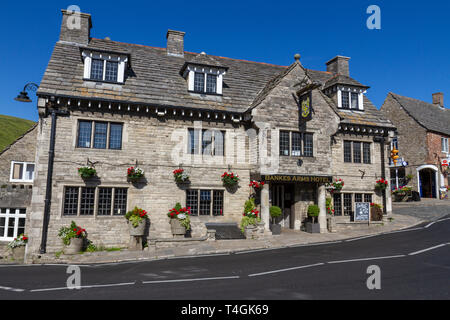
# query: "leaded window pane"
[296,144]
[84,134]
[219,143]
[205,202]
[115,136]
[284,143]
[348,206]
[345,99]
[193,147]
[355,101]
[368,197]
[71,201]
[366,152]
[120,201]
[357,152]
[87,201]
[192,201]
[308,145]
[218,202]
[100,133]
[211,83]
[358,197]
[104,201]
[199,82]
[111,71]
[337,199]
[347,151]
[97,69]
[207,142]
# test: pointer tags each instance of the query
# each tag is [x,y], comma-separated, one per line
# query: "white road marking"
[255,250]
[427,249]
[86,287]
[284,270]
[11,289]
[313,244]
[367,259]
[364,237]
[189,280]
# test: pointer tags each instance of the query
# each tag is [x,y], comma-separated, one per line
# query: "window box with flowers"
[18,247]
[135,174]
[402,193]
[381,185]
[180,176]
[87,172]
[73,237]
[230,179]
[179,220]
[335,186]
[137,220]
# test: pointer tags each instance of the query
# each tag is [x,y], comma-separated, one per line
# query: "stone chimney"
[175,43]
[339,65]
[75,27]
[438,99]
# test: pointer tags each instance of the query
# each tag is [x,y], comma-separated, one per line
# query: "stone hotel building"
[161,109]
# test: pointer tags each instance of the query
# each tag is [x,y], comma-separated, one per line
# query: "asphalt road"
[414,264]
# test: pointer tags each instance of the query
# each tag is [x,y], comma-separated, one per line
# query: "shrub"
[251,215]
[329,206]
[136,216]
[275,212]
[313,211]
[74,231]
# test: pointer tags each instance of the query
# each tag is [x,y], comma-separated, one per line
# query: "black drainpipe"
[48,190]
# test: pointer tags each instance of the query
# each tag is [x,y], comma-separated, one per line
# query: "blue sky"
[410,55]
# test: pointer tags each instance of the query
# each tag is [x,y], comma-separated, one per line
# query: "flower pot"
[312,227]
[139,230]
[275,228]
[18,253]
[249,231]
[177,228]
[75,246]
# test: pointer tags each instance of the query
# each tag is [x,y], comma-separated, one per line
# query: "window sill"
[104,81]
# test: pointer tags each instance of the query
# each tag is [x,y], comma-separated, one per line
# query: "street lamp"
[23,97]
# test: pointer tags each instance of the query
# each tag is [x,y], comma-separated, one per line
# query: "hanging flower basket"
[381,185]
[256,184]
[180,176]
[87,172]
[335,186]
[134,174]
[230,179]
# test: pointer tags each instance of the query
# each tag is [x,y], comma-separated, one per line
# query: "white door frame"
[436,171]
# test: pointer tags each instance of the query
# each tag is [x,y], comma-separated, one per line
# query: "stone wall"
[151,142]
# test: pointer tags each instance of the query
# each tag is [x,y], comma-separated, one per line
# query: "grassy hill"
[12,128]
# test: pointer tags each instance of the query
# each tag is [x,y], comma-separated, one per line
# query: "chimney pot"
[438,99]
[339,65]
[175,43]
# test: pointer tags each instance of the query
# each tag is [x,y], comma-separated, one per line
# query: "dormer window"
[104,67]
[350,99]
[204,75]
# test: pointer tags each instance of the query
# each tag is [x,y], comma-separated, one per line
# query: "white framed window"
[12,223]
[444,145]
[350,99]
[204,80]
[104,67]
[22,171]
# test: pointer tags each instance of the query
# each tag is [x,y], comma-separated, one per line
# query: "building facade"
[161,109]
[17,169]
[422,138]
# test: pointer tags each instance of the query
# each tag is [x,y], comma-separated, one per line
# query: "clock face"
[305,108]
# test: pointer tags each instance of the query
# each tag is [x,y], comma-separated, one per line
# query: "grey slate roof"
[154,79]
[430,116]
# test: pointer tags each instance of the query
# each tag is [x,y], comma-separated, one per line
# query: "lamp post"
[23,97]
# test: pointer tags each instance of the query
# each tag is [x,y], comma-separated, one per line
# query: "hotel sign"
[295,178]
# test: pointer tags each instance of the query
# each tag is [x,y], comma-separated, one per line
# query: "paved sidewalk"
[426,209]
[288,238]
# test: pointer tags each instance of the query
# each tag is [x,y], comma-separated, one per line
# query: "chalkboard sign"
[362,211]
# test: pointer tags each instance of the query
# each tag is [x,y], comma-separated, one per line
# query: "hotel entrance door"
[283,197]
